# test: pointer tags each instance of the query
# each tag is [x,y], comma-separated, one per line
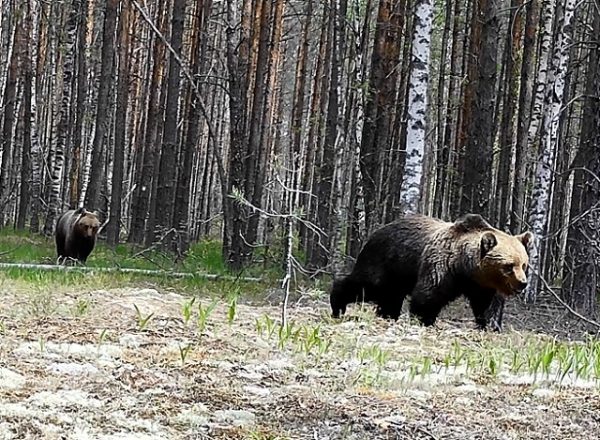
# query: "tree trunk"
[182,197]
[114,224]
[82,73]
[25,192]
[526,89]
[67,50]
[92,197]
[538,214]
[411,193]
[512,54]
[9,110]
[582,283]
[144,183]
[380,106]
[167,175]
[482,72]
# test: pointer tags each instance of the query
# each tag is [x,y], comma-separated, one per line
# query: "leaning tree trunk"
[411,193]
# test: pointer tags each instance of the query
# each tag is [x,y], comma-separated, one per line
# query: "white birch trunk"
[555,87]
[537,109]
[410,193]
[63,130]
[36,148]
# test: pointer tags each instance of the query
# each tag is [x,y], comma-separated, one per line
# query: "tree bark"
[167,175]
[92,197]
[412,194]
[554,91]
[114,224]
[582,283]
[482,73]
[380,106]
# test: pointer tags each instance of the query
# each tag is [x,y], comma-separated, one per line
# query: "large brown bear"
[76,232]
[435,262]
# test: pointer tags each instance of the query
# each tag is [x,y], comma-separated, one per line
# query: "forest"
[266,140]
[257,120]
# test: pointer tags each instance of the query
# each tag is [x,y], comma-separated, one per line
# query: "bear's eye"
[508,267]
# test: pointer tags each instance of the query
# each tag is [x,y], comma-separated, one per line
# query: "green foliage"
[142,320]
[203,258]
[203,314]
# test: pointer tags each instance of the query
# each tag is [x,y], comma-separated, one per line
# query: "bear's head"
[86,224]
[504,261]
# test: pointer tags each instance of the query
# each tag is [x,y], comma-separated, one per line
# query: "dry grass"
[135,363]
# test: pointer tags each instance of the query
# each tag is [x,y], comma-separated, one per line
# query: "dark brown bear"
[435,262]
[76,232]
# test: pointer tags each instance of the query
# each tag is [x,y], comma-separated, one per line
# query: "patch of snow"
[420,395]
[386,422]
[463,401]
[54,350]
[123,418]
[64,398]
[131,341]
[467,389]
[280,364]
[72,369]
[126,435]
[257,391]
[543,381]
[196,416]
[236,418]
[10,380]
[17,410]
[543,393]
[250,375]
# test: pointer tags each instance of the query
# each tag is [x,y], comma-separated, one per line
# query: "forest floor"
[141,362]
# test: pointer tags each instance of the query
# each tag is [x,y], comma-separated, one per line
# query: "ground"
[147,362]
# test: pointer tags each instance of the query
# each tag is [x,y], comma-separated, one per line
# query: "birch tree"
[554,91]
[66,73]
[417,106]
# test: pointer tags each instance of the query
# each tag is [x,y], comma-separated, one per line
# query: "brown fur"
[434,262]
[76,232]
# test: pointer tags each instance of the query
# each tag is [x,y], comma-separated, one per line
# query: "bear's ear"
[488,241]
[526,238]
[80,211]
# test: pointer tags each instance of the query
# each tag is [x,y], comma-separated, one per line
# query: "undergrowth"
[202,258]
